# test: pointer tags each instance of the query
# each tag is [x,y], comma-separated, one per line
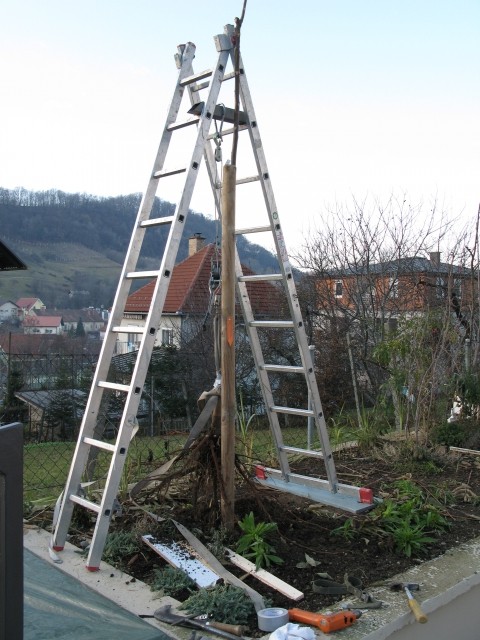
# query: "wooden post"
[228,403]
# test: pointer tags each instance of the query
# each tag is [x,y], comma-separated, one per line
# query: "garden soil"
[305,529]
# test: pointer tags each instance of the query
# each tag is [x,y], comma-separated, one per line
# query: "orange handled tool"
[326,622]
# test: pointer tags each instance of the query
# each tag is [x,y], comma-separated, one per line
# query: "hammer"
[408,587]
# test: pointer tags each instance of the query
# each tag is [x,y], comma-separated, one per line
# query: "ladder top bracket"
[221,113]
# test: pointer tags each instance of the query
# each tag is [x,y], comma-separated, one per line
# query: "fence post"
[11,531]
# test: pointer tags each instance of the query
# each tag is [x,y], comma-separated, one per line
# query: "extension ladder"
[202,112]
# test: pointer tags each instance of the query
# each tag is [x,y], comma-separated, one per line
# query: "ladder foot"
[58,548]
[93,569]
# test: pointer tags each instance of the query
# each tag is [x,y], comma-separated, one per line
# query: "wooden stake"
[228,403]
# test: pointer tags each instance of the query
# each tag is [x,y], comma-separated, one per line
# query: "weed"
[408,539]
[253,544]
[407,519]
[223,603]
[172,582]
[217,542]
[347,530]
[119,545]
[243,424]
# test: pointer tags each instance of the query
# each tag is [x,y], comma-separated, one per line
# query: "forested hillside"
[74,244]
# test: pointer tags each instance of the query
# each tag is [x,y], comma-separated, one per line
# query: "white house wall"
[172,322]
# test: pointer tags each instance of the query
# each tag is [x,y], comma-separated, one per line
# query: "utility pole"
[228,403]
[228,399]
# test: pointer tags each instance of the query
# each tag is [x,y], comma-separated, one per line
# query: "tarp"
[56,606]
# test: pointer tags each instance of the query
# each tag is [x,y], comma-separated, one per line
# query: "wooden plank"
[182,557]
[265,577]
[473,452]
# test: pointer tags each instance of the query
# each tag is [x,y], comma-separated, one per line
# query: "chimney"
[435,258]
[195,243]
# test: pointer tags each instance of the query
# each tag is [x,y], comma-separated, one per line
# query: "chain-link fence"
[48,394]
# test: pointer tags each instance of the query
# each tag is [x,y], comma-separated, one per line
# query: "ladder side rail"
[263,377]
[286,269]
[89,420]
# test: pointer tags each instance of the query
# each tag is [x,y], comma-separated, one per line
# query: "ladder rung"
[155,222]
[196,77]
[164,174]
[93,506]
[306,452]
[100,444]
[247,180]
[183,123]
[114,385]
[282,368]
[142,274]
[292,411]
[200,86]
[241,232]
[227,132]
[264,277]
[272,324]
[129,329]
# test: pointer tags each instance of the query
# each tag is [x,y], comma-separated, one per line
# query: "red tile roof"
[26,303]
[42,321]
[72,315]
[189,289]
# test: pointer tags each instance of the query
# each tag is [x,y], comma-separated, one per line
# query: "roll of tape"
[271,619]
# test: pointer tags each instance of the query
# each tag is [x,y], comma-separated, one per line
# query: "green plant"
[347,530]
[253,544]
[406,520]
[450,434]
[408,539]
[223,603]
[119,545]
[218,542]
[172,582]
[243,424]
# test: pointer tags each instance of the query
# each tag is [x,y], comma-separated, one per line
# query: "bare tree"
[376,273]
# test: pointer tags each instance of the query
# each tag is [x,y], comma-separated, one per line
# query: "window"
[338,288]
[167,337]
[393,288]
[457,288]
[132,338]
[440,288]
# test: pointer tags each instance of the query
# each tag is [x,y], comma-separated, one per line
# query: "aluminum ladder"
[201,115]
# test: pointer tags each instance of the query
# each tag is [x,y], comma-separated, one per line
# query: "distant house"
[188,298]
[407,285]
[92,320]
[43,324]
[38,358]
[9,311]
[53,414]
[28,306]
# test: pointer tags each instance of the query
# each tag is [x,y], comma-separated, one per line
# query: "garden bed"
[312,539]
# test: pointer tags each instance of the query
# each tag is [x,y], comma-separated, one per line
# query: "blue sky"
[353,97]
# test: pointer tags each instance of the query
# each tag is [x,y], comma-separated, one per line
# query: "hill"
[74,244]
